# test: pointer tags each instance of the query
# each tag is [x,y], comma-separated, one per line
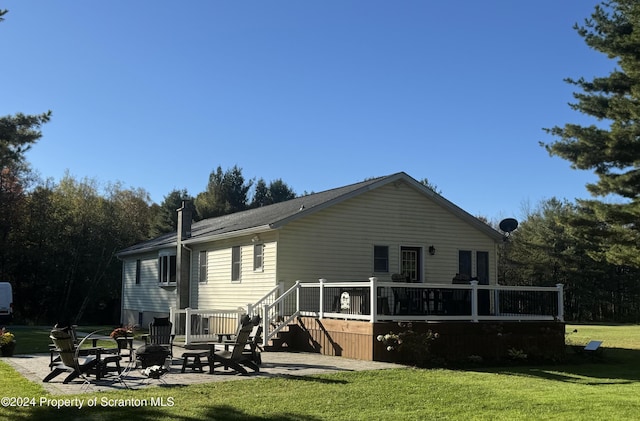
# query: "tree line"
[558,243]
[59,240]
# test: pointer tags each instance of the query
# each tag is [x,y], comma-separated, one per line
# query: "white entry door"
[411,263]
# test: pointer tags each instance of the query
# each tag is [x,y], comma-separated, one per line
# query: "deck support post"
[321,309]
[474,301]
[266,325]
[187,326]
[297,286]
[373,298]
[560,302]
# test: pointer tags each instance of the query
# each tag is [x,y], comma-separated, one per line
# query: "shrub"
[412,347]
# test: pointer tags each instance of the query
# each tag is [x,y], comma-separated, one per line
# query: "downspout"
[190,252]
[122,274]
[183,255]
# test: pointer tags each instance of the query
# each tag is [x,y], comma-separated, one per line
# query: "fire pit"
[150,355]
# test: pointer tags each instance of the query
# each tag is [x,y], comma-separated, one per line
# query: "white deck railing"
[378,301]
[203,325]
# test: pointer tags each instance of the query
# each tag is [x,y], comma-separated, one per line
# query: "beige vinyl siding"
[219,292]
[147,296]
[337,243]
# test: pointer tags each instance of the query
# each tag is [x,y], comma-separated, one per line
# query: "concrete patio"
[274,364]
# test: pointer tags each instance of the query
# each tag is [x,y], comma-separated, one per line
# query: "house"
[386,227]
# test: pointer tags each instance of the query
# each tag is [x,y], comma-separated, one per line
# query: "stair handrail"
[266,321]
[252,307]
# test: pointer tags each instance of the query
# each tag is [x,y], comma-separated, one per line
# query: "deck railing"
[195,325]
[377,301]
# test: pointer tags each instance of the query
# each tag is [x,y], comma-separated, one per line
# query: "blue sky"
[157,94]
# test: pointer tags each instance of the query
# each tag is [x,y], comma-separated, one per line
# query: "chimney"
[183,254]
[185,216]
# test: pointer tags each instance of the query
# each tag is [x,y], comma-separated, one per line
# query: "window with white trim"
[236,263]
[202,275]
[167,269]
[464,263]
[482,267]
[258,257]
[381,259]
[138,271]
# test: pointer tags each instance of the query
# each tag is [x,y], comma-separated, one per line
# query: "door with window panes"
[411,263]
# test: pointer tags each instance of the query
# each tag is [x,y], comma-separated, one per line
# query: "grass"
[33,340]
[614,336]
[582,389]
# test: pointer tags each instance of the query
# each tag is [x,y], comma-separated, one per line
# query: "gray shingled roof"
[266,216]
[277,215]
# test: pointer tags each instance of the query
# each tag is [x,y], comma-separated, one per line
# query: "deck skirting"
[457,341]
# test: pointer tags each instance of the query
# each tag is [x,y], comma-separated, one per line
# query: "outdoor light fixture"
[432,250]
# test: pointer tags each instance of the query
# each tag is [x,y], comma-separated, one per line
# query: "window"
[202,276]
[205,325]
[138,266]
[380,258]
[464,263]
[235,263]
[482,267]
[167,269]
[258,253]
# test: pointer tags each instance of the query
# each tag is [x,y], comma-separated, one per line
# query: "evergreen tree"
[226,193]
[610,148]
[556,244]
[165,218]
[277,191]
[17,134]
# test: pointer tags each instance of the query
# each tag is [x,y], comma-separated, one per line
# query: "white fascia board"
[226,235]
[153,249]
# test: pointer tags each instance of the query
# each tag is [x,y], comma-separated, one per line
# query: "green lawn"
[579,389]
[616,336]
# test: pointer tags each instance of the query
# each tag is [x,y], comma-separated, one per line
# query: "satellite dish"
[508,225]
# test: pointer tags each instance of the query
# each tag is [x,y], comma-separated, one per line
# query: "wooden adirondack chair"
[236,359]
[253,346]
[90,361]
[160,334]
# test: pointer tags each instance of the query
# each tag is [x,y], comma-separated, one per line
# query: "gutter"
[119,256]
[229,234]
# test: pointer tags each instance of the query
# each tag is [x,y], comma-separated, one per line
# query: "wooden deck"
[488,322]
[492,341]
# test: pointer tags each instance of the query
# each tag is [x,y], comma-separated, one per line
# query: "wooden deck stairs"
[281,341]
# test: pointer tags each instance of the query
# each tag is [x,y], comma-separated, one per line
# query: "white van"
[6,302]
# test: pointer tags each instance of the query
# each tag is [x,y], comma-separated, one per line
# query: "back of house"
[6,302]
